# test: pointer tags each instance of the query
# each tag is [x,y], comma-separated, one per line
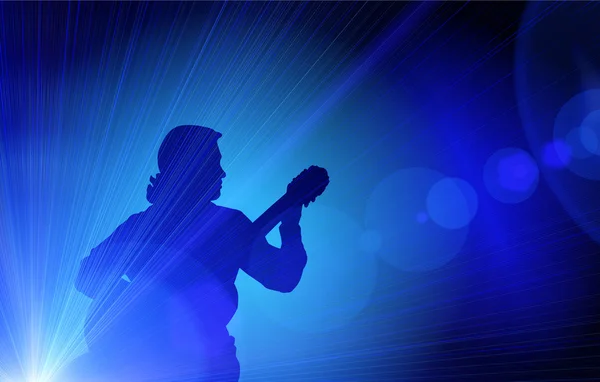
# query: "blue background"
[490,276]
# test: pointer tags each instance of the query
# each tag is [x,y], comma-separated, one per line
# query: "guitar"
[303,189]
[155,315]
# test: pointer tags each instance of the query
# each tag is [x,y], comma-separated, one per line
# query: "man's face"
[220,174]
[207,177]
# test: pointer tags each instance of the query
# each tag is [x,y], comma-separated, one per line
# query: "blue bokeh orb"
[590,132]
[511,175]
[578,122]
[422,217]
[410,240]
[574,139]
[452,203]
[558,89]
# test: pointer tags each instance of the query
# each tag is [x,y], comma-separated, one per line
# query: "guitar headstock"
[308,185]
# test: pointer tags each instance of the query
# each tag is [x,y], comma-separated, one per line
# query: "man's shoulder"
[136,218]
[232,214]
[127,227]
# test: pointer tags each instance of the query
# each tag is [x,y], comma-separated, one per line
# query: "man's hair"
[184,147]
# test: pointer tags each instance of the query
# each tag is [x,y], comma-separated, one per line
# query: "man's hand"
[292,216]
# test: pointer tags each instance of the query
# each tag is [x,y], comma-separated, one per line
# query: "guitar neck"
[302,190]
[272,216]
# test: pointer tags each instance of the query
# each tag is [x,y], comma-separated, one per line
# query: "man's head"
[189,162]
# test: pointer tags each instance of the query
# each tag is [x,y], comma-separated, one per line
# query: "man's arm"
[106,262]
[279,269]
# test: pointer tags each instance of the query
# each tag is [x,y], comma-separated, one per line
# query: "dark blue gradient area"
[420,267]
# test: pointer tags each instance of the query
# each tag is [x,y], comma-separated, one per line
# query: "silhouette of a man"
[165,277]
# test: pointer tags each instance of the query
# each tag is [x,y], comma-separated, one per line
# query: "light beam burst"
[89,90]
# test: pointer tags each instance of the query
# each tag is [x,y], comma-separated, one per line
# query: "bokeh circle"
[578,122]
[410,240]
[452,203]
[511,175]
[557,80]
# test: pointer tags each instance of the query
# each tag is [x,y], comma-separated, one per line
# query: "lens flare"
[410,240]
[452,203]
[511,175]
